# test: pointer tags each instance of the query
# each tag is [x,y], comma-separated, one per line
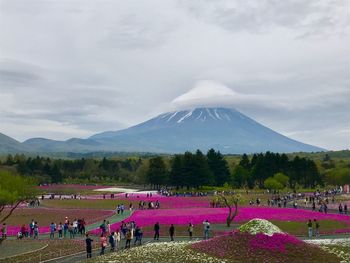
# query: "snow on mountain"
[224,129]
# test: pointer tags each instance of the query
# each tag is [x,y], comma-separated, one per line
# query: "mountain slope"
[72,145]
[10,145]
[224,129]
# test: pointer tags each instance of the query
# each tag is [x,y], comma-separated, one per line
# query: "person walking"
[31,228]
[156,231]
[309,226]
[103,243]
[138,235]
[206,226]
[340,208]
[172,232]
[52,230]
[88,242]
[128,239]
[71,231]
[36,230]
[60,230]
[346,209]
[117,239]
[65,229]
[317,228]
[111,241]
[4,231]
[190,230]
[103,227]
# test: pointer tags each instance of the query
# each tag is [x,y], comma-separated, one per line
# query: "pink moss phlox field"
[218,215]
[287,214]
[276,242]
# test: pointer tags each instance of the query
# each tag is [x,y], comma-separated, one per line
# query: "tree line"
[268,170]
[49,170]
[187,170]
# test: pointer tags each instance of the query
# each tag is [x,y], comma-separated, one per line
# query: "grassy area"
[54,249]
[15,247]
[45,216]
[300,228]
[182,230]
[294,228]
[108,204]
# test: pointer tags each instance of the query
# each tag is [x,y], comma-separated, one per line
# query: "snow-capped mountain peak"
[224,129]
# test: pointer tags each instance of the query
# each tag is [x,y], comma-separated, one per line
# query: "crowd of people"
[133,234]
[64,230]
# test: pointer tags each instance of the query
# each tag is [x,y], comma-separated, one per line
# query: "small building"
[346,189]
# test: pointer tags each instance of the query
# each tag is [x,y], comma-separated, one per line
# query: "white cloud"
[94,66]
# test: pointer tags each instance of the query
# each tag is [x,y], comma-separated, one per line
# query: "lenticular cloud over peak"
[206,93]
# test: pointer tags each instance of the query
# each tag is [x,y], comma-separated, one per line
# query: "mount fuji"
[223,129]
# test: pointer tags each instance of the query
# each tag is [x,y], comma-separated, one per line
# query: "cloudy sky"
[71,68]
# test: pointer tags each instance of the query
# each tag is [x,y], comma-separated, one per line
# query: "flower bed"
[258,225]
[218,215]
[160,252]
[45,216]
[244,247]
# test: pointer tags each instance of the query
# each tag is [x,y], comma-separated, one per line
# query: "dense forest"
[189,170]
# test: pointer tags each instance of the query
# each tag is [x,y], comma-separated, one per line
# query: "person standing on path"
[309,227]
[88,242]
[103,243]
[52,230]
[190,230]
[4,231]
[206,225]
[112,241]
[317,228]
[172,232]
[60,229]
[31,228]
[71,231]
[156,231]
[117,239]
[138,236]
[103,227]
[128,239]
[36,230]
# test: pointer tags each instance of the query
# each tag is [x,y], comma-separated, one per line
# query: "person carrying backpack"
[206,225]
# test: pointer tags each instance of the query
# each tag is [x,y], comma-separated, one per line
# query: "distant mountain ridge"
[223,129]
[10,145]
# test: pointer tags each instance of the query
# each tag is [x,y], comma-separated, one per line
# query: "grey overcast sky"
[71,68]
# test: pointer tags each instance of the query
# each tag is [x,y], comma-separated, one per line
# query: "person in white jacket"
[206,229]
[117,239]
